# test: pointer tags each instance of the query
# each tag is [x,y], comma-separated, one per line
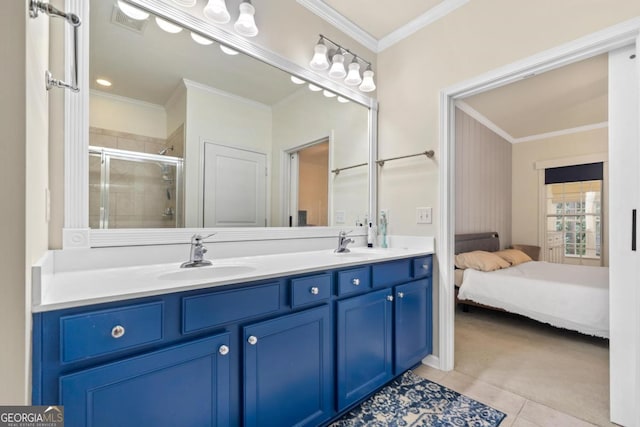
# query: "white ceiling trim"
[121,98]
[338,20]
[196,85]
[472,112]
[562,132]
[427,18]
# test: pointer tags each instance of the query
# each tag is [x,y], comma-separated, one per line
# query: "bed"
[565,296]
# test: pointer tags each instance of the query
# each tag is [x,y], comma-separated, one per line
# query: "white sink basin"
[209,272]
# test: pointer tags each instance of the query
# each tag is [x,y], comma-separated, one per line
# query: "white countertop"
[65,289]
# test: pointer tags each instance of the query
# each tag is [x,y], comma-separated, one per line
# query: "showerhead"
[164,150]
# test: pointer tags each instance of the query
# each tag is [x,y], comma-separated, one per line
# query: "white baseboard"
[432,361]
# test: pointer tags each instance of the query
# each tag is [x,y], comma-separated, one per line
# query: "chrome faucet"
[343,242]
[196,257]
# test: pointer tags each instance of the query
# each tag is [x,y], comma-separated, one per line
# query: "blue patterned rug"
[411,400]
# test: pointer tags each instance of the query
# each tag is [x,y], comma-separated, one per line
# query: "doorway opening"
[309,185]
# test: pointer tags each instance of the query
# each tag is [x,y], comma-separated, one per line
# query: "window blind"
[574,173]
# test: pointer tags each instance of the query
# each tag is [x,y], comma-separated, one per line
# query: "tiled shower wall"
[141,194]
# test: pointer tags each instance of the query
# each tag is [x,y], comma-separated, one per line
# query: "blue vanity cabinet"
[413,324]
[288,370]
[364,352]
[186,384]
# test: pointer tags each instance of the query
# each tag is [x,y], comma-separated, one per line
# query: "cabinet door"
[186,385]
[288,370]
[413,324]
[364,345]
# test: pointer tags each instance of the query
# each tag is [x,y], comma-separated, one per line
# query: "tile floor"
[520,411]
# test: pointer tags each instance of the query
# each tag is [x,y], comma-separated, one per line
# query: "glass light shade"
[314,88]
[319,61]
[337,70]
[132,12]
[368,84]
[297,81]
[201,40]
[342,100]
[353,77]
[246,24]
[168,26]
[228,50]
[103,82]
[328,94]
[216,10]
[185,3]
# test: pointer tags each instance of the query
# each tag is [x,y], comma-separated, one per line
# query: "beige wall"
[525,177]
[483,180]
[24,119]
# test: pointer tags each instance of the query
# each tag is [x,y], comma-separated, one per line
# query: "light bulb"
[314,88]
[342,100]
[328,94]
[103,82]
[168,26]
[297,81]
[319,61]
[228,50]
[132,12]
[353,77]
[185,3]
[337,70]
[200,40]
[368,84]
[246,24]
[216,10]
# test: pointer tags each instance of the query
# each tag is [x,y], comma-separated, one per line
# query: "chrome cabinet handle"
[314,290]
[356,282]
[252,340]
[223,350]
[117,331]
[400,294]
[389,297]
[425,266]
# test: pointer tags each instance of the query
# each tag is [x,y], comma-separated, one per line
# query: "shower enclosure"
[128,189]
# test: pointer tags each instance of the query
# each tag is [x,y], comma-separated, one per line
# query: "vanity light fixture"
[168,26]
[132,12]
[328,94]
[314,88]
[103,82]
[334,60]
[342,100]
[216,10]
[297,80]
[246,23]
[200,40]
[228,50]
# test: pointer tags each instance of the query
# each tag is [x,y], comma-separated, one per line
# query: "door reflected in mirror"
[195,137]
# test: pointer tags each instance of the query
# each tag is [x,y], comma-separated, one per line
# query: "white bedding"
[567,296]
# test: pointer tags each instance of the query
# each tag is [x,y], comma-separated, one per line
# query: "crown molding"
[427,18]
[190,84]
[124,99]
[338,20]
[561,132]
[475,114]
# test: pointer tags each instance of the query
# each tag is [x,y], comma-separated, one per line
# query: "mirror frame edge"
[76,232]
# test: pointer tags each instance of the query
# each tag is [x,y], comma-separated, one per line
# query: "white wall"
[227,120]
[483,180]
[127,115]
[24,119]
[307,117]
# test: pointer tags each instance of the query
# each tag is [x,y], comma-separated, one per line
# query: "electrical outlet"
[423,216]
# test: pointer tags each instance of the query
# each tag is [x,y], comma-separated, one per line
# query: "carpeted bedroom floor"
[556,368]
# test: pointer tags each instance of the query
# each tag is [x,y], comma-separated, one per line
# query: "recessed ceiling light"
[168,26]
[200,40]
[342,100]
[132,12]
[228,50]
[314,88]
[103,82]
[297,80]
[328,94]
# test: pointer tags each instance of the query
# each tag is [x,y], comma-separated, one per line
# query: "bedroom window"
[574,212]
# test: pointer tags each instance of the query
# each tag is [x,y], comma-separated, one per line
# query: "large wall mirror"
[190,126]
[187,132]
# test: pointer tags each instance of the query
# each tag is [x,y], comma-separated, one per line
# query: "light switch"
[340,217]
[423,216]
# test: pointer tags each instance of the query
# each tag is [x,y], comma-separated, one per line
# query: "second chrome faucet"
[343,242]
[196,255]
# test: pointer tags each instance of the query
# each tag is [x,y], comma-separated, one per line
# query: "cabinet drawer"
[307,290]
[219,308]
[391,272]
[101,332]
[423,266]
[354,280]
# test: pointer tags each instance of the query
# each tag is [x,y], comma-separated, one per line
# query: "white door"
[235,184]
[624,189]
